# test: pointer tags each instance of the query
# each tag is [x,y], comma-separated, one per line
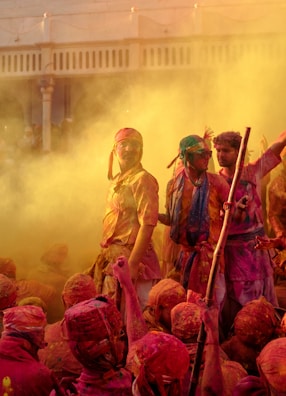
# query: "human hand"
[269,243]
[208,134]
[282,137]
[242,204]
[193,297]
[209,316]
[121,271]
[263,143]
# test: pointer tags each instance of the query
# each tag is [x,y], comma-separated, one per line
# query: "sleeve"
[146,195]
[263,164]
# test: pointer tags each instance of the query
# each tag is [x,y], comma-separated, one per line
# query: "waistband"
[248,236]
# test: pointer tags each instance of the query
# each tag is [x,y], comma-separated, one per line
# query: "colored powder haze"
[61,198]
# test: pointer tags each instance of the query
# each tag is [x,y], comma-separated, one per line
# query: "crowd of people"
[132,326]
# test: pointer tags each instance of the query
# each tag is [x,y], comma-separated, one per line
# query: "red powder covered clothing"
[245,264]
[57,355]
[20,372]
[111,383]
[250,185]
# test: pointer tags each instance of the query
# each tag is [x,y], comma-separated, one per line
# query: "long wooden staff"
[216,258]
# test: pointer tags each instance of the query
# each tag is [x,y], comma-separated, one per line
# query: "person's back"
[255,325]
[57,354]
[21,374]
[94,329]
[8,294]
[272,379]
[162,298]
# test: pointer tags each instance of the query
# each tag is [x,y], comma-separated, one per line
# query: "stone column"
[47,88]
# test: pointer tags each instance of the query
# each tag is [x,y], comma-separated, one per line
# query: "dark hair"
[230,137]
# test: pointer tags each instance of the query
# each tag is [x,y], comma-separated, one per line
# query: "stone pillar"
[28,106]
[47,88]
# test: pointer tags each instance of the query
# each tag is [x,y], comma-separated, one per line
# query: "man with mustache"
[130,217]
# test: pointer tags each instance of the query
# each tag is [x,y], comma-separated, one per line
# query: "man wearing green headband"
[194,207]
[130,217]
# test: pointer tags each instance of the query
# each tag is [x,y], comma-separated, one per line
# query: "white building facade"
[58,57]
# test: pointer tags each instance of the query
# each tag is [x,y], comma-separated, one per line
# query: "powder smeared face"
[226,155]
[129,153]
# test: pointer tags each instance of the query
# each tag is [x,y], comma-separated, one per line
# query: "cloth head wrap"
[8,267]
[78,287]
[166,293]
[128,133]
[159,358]
[33,300]
[232,373]
[93,320]
[250,385]
[8,292]
[186,320]
[256,322]
[27,321]
[56,254]
[122,134]
[190,144]
[271,363]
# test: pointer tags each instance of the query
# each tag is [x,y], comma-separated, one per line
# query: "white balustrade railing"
[99,58]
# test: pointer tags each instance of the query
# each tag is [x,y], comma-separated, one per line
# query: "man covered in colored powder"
[95,334]
[57,355]
[248,271]
[130,217]
[194,208]
[21,374]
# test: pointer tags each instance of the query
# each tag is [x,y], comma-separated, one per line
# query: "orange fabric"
[272,364]
[7,267]
[256,323]
[166,293]
[78,287]
[7,292]
[186,320]
[93,320]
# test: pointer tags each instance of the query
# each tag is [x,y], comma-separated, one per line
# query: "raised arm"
[278,145]
[135,323]
[212,380]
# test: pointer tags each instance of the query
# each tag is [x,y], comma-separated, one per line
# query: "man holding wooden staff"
[248,271]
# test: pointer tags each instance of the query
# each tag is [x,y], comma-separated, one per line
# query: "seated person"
[161,299]
[57,355]
[8,295]
[272,374]
[215,378]
[159,363]
[254,326]
[94,330]
[20,371]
